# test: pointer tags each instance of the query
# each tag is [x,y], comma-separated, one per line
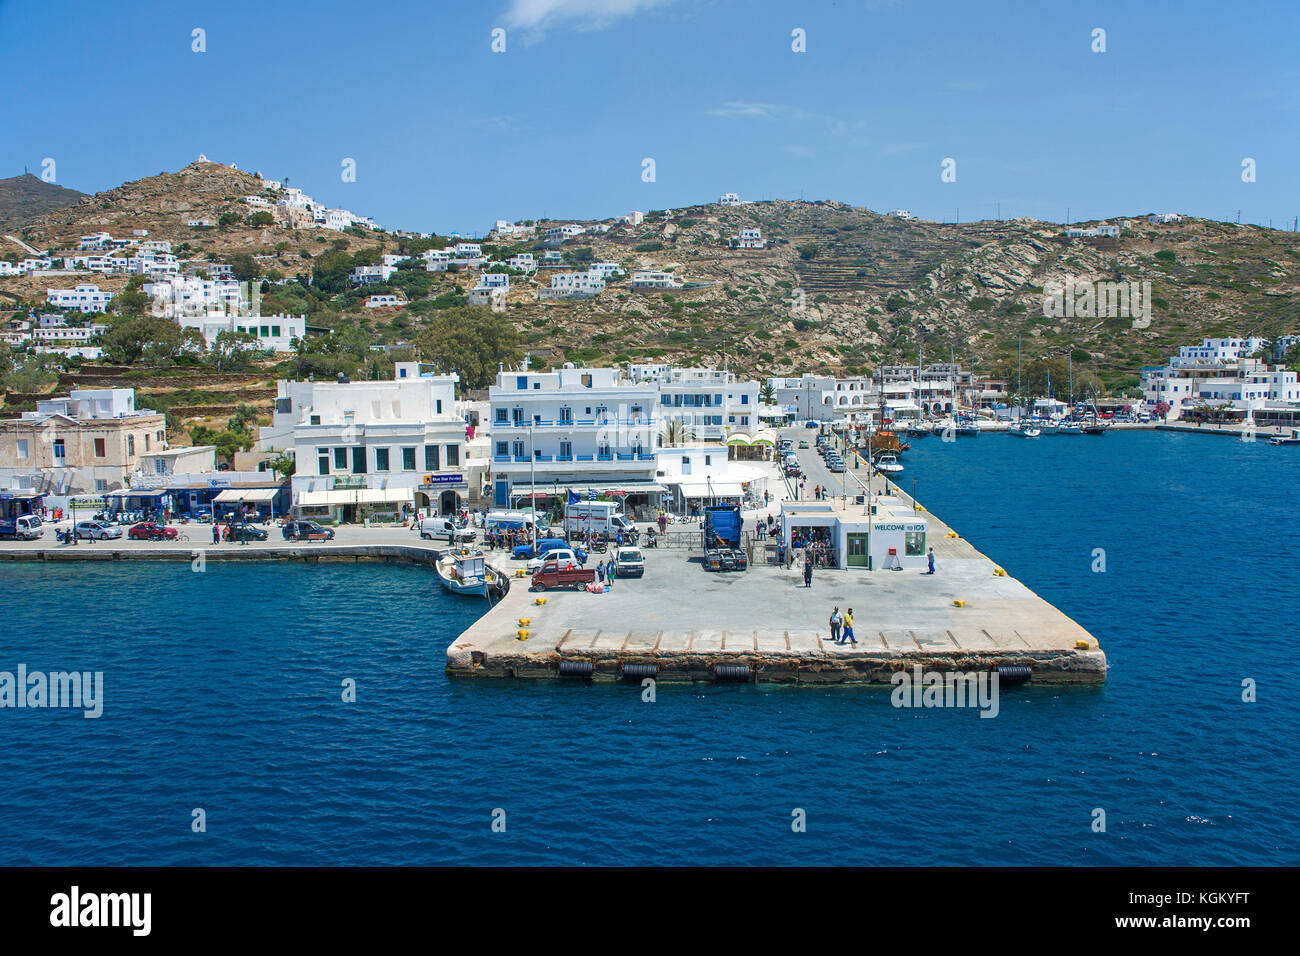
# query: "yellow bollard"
[541,601]
[999,572]
[959,602]
[525,621]
[951,534]
[1082,645]
[523,634]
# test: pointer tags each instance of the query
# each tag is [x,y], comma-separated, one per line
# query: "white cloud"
[741,109]
[537,15]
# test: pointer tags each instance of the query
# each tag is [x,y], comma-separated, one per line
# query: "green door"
[857,556]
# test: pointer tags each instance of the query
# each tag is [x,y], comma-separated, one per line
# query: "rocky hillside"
[838,287]
[23,198]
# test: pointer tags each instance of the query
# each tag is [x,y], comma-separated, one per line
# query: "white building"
[634,218]
[97,240]
[823,397]
[900,214]
[371,275]
[729,199]
[1221,372]
[274,333]
[505,230]
[86,298]
[1160,218]
[192,296]
[566,231]
[494,297]
[572,285]
[711,404]
[752,239]
[371,447]
[384,301]
[522,261]
[576,429]
[655,280]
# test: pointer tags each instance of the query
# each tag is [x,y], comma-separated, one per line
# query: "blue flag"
[573,497]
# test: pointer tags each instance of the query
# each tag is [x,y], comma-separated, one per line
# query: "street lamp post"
[532,485]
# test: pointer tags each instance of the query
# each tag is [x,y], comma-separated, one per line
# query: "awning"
[246,495]
[137,493]
[354,496]
[717,489]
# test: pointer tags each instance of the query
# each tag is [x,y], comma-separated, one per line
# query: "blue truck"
[723,549]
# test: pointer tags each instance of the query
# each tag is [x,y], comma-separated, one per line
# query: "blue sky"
[449,136]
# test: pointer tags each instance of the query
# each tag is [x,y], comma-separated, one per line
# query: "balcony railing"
[580,423]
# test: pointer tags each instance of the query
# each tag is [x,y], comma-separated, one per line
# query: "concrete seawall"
[682,623]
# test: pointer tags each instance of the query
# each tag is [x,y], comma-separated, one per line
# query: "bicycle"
[182,537]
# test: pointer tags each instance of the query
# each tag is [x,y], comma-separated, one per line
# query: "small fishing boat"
[967,426]
[1292,439]
[1024,429]
[1093,426]
[919,428]
[888,465]
[467,572]
[1068,427]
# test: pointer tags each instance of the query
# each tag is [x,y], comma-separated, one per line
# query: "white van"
[453,531]
[598,516]
[511,520]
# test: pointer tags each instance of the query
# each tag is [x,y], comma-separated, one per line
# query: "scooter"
[651,539]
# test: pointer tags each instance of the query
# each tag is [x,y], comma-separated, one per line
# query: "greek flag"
[591,494]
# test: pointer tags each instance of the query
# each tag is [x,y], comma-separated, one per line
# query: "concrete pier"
[685,622]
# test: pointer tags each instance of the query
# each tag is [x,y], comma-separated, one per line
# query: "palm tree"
[767,394]
[676,431]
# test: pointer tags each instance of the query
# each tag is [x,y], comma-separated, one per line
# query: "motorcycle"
[651,539]
[63,537]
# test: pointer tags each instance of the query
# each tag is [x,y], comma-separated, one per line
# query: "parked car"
[97,530]
[243,531]
[629,563]
[151,531]
[544,546]
[803,444]
[299,530]
[23,527]
[565,555]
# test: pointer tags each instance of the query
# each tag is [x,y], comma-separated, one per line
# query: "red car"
[152,531]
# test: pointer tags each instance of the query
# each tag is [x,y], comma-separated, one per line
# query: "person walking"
[835,623]
[600,572]
[930,557]
[216,533]
[807,572]
[848,628]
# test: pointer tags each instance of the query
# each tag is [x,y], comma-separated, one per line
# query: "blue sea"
[223,691]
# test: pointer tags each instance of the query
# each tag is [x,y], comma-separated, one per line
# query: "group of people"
[842,626]
[506,539]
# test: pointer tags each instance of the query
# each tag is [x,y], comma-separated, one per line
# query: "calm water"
[223,692]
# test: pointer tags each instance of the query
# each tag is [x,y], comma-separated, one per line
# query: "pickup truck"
[556,574]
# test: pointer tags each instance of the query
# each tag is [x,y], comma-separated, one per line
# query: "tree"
[471,340]
[232,350]
[131,300]
[244,267]
[244,416]
[676,431]
[767,394]
[261,219]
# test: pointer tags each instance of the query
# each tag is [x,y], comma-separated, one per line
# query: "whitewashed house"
[655,280]
[752,239]
[366,447]
[729,199]
[86,298]
[579,429]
